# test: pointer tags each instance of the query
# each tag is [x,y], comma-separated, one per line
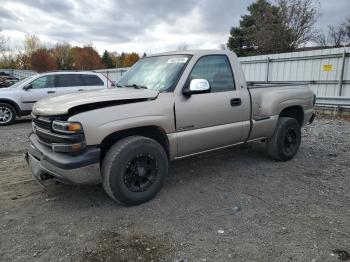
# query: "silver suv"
[18,99]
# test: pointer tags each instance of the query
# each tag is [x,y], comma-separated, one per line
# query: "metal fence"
[327,72]
[20,74]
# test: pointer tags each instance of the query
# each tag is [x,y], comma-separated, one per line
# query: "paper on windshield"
[177,60]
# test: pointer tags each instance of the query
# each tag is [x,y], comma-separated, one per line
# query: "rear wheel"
[7,114]
[134,169]
[286,140]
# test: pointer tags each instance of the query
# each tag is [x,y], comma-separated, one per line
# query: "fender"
[12,103]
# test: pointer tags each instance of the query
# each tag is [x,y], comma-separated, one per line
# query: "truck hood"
[60,105]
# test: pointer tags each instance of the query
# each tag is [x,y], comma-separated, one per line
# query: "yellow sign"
[327,68]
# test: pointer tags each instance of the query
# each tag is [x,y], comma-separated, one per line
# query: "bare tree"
[320,38]
[63,56]
[31,44]
[335,36]
[300,17]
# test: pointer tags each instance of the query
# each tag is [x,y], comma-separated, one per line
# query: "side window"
[92,80]
[40,82]
[68,80]
[217,70]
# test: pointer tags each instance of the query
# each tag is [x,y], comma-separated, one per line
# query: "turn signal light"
[67,127]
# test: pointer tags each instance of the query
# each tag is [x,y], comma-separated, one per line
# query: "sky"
[149,26]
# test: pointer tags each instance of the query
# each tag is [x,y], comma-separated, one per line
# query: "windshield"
[159,73]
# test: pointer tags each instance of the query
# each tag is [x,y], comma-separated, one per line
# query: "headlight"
[67,127]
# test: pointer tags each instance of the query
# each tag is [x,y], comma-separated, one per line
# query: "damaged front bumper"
[82,168]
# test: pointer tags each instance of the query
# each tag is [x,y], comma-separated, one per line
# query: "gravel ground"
[231,205]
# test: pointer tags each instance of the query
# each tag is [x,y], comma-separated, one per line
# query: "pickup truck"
[166,107]
[18,99]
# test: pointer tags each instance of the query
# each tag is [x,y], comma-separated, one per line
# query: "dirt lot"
[232,205]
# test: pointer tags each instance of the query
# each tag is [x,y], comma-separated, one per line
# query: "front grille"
[44,123]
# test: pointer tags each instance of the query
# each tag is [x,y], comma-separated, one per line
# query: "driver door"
[37,89]
[215,119]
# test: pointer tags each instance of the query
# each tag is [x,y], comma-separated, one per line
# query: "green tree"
[261,31]
[107,60]
[121,60]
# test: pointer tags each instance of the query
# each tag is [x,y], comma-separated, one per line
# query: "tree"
[107,60]
[336,35]
[63,56]
[120,60]
[300,17]
[86,58]
[262,31]
[131,59]
[31,44]
[22,61]
[41,60]
[8,61]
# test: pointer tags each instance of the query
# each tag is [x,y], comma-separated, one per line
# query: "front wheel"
[7,114]
[285,142]
[134,169]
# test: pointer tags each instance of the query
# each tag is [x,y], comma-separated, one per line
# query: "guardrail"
[333,100]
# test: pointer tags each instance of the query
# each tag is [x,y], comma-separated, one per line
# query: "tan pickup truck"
[166,107]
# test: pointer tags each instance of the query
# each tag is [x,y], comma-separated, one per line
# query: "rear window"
[92,80]
[68,80]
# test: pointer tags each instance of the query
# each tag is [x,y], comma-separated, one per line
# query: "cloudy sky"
[134,25]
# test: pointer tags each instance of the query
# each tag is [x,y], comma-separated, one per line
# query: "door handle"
[236,102]
[81,90]
[51,92]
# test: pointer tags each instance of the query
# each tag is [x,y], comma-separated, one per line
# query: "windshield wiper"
[137,86]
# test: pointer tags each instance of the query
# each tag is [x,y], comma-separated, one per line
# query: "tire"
[134,169]
[7,114]
[285,142]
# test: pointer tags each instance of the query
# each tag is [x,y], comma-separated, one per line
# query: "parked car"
[166,107]
[18,99]
[6,80]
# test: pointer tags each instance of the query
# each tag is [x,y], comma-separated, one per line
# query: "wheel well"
[152,132]
[12,103]
[296,112]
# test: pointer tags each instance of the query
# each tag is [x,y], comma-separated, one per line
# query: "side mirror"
[28,87]
[197,86]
